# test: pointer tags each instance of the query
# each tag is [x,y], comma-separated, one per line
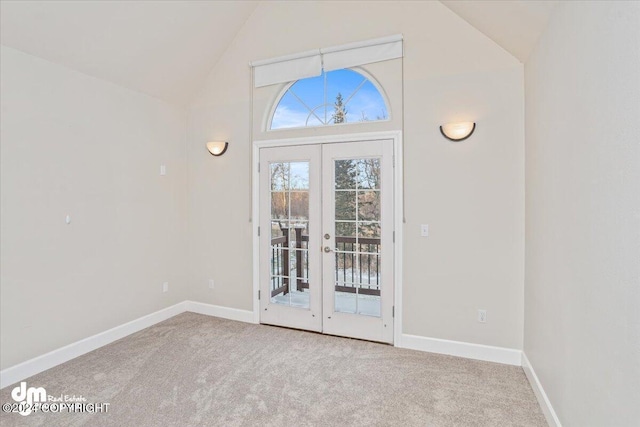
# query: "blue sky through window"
[309,102]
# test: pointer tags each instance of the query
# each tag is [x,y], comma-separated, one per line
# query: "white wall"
[73,144]
[471,193]
[582,302]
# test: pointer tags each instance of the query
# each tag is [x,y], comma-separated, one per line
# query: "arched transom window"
[334,97]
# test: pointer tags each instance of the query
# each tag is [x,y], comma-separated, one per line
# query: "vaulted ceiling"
[515,25]
[162,48]
[167,48]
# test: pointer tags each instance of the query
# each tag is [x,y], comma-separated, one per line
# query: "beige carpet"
[195,370]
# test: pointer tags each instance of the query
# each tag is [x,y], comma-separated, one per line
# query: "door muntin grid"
[289,258]
[357,236]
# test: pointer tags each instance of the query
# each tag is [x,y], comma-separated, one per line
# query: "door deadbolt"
[327,237]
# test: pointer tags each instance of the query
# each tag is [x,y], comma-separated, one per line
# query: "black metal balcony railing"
[357,263]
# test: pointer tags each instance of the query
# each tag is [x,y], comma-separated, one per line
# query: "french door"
[326,239]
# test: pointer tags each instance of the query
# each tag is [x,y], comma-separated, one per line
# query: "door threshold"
[324,334]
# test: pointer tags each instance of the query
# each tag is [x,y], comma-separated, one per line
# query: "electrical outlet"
[165,287]
[482,316]
[212,284]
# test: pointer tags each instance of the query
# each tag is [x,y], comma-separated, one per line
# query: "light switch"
[163,170]
[424,230]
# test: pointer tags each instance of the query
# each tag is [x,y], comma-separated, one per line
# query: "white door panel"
[290,286]
[357,214]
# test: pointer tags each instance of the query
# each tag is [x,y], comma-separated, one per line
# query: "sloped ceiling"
[161,48]
[167,48]
[515,25]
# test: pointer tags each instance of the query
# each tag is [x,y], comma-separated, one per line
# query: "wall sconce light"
[217,148]
[457,131]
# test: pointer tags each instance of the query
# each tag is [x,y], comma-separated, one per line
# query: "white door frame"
[396,136]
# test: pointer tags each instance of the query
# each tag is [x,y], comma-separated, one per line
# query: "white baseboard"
[220,311]
[507,356]
[56,357]
[543,400]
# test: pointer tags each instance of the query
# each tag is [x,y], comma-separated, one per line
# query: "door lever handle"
[327,249]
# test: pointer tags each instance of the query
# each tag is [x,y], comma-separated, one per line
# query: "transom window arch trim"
[268,118]
[311,63]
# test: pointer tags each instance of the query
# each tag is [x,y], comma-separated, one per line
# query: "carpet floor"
[195,370]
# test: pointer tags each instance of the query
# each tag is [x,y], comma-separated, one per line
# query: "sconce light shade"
[217,148]
[457,131]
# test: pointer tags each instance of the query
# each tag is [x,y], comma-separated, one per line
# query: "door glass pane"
[369,205]
[279,205]
[368,230]
[346,205]
[290,234]
[345,229]
[357,236]
[345,174]
[369,174]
